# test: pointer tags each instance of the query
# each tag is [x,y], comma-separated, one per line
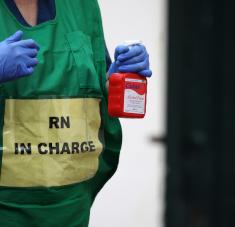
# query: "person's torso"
[46,12]
[54,123]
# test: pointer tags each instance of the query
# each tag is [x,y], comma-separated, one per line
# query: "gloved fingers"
[28,43]
[135,68]
[134,60]
[17,36]
[30,52]
[22,70]
[133,51]
[31,62]
[121,49]
[29,70]
[145,73]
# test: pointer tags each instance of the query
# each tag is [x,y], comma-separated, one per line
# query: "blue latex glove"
[17,57]
[134,59]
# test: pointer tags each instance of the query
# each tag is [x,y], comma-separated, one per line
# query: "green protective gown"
[58,146]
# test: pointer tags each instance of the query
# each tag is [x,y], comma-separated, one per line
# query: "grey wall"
[134,196]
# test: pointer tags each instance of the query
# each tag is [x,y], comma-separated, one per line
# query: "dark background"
[201,114]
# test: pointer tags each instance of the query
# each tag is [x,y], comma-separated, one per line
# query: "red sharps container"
[127,95]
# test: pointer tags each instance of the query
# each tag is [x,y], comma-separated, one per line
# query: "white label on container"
[134,102]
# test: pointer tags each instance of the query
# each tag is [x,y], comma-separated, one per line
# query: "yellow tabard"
[50,142]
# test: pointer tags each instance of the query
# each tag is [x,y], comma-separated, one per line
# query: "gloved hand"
[131,59]
[17,57]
